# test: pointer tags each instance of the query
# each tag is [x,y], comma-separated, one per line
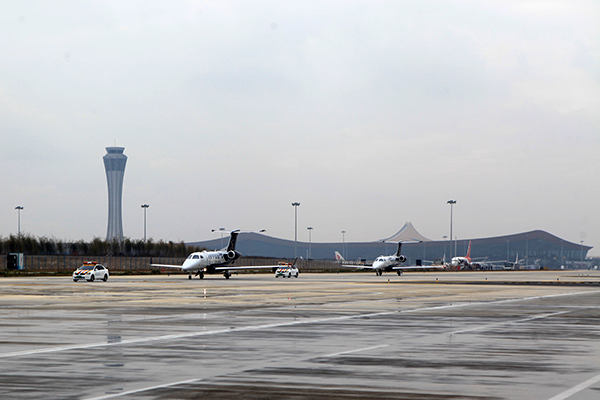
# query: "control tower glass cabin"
[114,163]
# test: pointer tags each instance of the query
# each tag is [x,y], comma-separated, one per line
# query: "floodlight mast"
[310,228]
[452,203]
[145,206]
[19,208]
[295,205]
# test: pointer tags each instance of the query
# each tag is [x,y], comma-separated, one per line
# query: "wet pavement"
[467,335]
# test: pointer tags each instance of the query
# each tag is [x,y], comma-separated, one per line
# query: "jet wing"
[247,267]
[166,266]
[359,266]
[419,267]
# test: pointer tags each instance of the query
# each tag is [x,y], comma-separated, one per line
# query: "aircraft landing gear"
[399,272]
[226,274]
[190,276]
[201,275]
[379,273]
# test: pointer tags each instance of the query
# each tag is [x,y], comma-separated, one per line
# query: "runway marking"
[541,316]
[191,334]
[141,390]
[166,385]
[269,326]
[576,389]
[354,351]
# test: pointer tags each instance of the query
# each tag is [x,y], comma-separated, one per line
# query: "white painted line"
[541,316]
[269,326]
[166,385]
[354,351]
[576,389]
[190,334]
[110,396]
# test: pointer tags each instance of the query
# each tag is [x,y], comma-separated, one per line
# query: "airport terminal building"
[533,248]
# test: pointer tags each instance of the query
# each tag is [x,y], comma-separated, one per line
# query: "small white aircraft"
[388,263]
[214,262]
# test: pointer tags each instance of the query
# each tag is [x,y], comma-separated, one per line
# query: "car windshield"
[86,267]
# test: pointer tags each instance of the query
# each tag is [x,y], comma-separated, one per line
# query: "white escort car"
[91,271]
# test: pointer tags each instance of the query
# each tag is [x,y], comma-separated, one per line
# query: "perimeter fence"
[121,264]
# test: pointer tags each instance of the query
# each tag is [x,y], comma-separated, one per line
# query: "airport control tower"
[114,163]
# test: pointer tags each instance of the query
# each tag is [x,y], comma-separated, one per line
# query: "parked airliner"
[388,263]
[214,262]
[467,262]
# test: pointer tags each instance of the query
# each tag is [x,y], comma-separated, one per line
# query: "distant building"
[529,248]
[114,163]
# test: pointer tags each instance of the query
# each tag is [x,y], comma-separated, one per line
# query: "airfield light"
[19,208]
[145,206]
[295,204]
[452,203]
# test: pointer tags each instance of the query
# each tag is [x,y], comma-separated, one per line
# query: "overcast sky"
[368,113]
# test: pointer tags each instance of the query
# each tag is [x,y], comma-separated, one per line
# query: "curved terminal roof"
[408,233]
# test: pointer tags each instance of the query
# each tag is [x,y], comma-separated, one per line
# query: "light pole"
[309,241]
[582,250]
[452,203]
[145,206]
[220,230]
[19,208]
[444,237]
[344,243]
[295,204]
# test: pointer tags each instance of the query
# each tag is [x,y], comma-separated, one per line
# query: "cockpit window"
[195,257]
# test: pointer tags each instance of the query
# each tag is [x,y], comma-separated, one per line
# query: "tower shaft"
[114,164]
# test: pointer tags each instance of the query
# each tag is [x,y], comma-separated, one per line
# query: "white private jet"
[388,263]
[214,262]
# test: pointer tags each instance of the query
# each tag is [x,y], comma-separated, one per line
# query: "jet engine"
[401,258]
[232,255]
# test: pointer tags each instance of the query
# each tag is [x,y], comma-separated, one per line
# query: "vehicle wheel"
[296,275]
[74,280]
[276,276]
[92,278]
[105,278]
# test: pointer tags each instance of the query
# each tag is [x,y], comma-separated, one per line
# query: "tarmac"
[433,335]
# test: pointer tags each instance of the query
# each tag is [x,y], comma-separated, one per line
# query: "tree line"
[43,245]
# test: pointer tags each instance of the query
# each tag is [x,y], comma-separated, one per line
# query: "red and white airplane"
[467,262]
[462,262]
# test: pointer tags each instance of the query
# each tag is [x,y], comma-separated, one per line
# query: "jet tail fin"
[232,240]
[399,252]
[338,256]
[468,257]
